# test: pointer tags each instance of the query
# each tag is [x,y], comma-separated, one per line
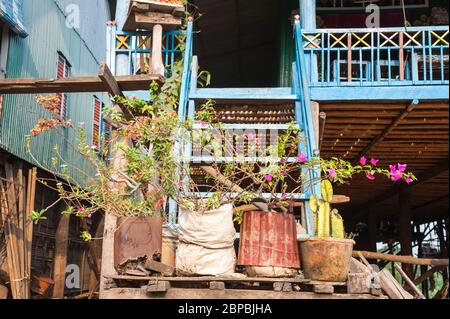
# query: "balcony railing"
[377,57]
[138,46]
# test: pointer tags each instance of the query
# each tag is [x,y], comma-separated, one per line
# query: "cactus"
[327,222]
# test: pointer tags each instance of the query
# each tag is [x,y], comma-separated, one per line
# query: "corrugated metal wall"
[36,56]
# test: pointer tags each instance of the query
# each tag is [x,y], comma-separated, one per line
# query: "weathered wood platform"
[134,287]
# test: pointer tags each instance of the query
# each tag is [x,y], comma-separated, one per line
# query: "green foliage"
[36,217]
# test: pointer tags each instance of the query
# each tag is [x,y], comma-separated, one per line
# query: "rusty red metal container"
[268,239]
[137,237]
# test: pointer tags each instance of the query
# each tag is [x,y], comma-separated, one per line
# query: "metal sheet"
[137,237]
[268,239]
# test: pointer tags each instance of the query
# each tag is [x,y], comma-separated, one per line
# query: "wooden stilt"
[372,231]
[405,225]
[60,262]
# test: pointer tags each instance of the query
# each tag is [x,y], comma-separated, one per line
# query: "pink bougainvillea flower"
[81,209]
[89,215]
[284,197]
[258,141]
[370,177]
[402,167]
[397,176]
[374,162]
[332,172]
[409,180]
[392,169]
[148,194]
[249,136]
[363,160]
[268,178]
[283,172]
[301,158]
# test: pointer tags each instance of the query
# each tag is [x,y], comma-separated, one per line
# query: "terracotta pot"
[326,259]
[137,237]
[268,239]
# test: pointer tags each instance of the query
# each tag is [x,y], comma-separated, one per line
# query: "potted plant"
[326,256]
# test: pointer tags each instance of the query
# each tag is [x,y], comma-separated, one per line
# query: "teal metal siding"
[11,11]
[36,57]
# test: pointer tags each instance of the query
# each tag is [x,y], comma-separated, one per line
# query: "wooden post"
[315,115]
[402,57]
[349,58]
[157,63]
[107,263]
[60,262]
[372,230]
[405,225]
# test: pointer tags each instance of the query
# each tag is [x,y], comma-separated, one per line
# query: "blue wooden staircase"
[294,101]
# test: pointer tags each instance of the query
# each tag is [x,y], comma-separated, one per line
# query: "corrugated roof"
[11,11]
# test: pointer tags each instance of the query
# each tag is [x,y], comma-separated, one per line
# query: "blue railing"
[373,57]
[138,46]
[187,72]
[304,118]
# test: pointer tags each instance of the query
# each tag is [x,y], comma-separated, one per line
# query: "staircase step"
[247,126]
[298,196]
[248,94]
[211,159]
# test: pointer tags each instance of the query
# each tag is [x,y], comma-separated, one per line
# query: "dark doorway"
[238,41]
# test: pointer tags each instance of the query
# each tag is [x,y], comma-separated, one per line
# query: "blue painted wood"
[384,93]
[373,46]
[185,79]
[244,94]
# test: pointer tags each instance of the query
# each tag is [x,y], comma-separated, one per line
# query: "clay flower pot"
[326,259]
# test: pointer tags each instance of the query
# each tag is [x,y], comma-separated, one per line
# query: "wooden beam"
[388,129]
[402,259]
[421,178]
[75,84]
[113,88]
[180,293]
[147,20]
[60,262]
[408,281]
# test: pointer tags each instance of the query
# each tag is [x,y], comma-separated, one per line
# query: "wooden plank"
[31,194]
[3,292]
[217,278]
[109,80]
[179,293]
[323,289]
[156,286]
[359,283]
[402,259]
[391,287]
[409,281]
[60,262]
[156,266]
[76,84]
[217,285]
[148,20]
